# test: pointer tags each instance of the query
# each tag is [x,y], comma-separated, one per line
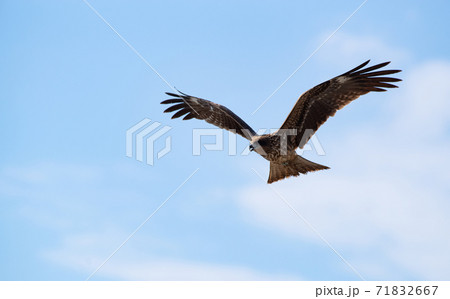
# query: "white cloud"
[425,107]
[86,252]
[67,199]
[386,196]
[343,48]
[169,269]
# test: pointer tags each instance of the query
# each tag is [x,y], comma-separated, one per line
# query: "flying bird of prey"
[310,111]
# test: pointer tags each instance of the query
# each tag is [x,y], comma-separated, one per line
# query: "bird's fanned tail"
[295,167]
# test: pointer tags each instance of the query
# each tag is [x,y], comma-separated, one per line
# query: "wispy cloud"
[425,106]
[90,210]
[83,253]
[346,49]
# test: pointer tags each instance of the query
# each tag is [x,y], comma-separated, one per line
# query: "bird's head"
[256,144]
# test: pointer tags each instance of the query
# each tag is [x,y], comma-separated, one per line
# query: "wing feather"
[180,113]
[212,113]
[319,103]
[171,101]
[174,107]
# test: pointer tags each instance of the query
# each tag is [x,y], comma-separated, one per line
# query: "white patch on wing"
[341,79]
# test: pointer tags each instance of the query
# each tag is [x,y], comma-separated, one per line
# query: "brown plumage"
[312,109]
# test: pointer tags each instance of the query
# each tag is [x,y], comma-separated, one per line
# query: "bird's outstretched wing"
[319,103]
[213,113]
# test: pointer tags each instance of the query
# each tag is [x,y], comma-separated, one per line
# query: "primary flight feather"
[311,110]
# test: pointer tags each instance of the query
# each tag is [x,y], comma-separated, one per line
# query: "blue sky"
[70,88]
